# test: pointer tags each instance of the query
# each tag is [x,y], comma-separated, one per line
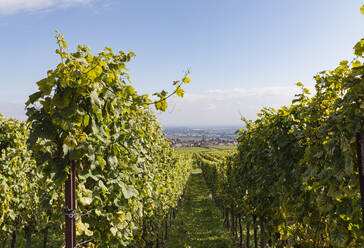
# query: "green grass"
[199,223]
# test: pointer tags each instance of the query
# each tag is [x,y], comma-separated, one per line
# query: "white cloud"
[212,107]
[225,106]
[15,6]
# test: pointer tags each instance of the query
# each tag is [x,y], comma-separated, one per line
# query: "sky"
[242,54]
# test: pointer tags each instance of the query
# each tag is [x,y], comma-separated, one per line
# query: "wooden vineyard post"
[240,233]
[70,208]
[255,231]
[360,147]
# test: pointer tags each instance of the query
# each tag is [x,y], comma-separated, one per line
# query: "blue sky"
[242,54]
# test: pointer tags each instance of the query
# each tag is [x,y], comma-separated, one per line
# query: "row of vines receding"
[128,179]
[295,176]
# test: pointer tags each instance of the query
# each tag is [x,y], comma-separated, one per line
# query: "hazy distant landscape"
[201,136]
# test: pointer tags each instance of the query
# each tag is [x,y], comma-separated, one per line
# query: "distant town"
[201,136]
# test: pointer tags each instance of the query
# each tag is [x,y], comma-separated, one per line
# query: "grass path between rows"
[199,223]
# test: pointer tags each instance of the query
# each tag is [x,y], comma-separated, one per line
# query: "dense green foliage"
[18,177]
[295,173]
[26,204]
[128,177]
